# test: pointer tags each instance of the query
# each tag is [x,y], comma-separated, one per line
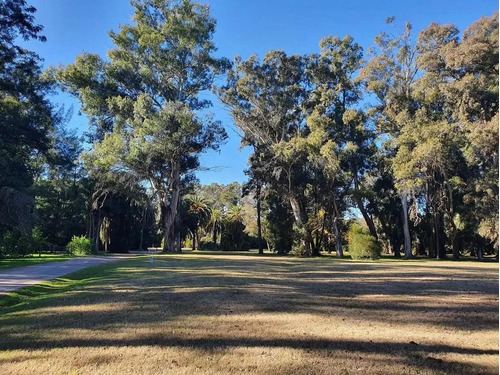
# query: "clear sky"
[244,27]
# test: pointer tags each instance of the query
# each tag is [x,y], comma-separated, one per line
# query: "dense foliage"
[79,246]
[404,137]
[361,244]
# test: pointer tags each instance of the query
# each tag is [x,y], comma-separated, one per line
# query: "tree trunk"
[214,235]
[338,240]
[98,230]
[366,216]
[178,245]
[322,236]
[438,227]
[368,219]
[301,223]
[406,227]
[168,231]
[259,224]
[142,228]
[480,253]
[169,211]
[193,245]
[396,247]
[456,243]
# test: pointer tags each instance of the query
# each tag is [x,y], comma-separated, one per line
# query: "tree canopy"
[393,147]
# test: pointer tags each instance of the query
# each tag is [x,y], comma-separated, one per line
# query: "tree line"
[404,136]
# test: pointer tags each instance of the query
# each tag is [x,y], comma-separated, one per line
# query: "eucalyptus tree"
[384,202]
[144,100]
[459,108]
[255,186]
[389,76]
[266,101]
[338,141]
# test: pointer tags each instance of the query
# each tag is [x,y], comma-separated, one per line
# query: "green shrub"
[188,242]
[9,245]
[361,244]
[17,244]
[207,244]
[79,246]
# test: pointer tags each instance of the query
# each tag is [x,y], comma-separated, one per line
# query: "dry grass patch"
[228,314]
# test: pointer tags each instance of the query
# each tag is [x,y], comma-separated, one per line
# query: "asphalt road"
[17,278]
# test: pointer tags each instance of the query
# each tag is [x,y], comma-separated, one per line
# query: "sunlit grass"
[226,314]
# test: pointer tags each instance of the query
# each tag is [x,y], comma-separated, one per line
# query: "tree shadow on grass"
[264,285]
[138,293]
[411,353]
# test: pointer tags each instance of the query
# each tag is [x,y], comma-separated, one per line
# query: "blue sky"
[244,27]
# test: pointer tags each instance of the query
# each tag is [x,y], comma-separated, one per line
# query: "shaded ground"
[228,314]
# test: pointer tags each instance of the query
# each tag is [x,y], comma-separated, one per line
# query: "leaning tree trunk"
[366,216]
[406,227]
[368,219]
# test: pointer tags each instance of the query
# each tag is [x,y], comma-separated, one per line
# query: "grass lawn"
[9,263]
[233,314]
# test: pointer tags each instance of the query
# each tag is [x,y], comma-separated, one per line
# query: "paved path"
[17,278]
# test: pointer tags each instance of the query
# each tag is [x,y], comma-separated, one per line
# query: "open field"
[232,314]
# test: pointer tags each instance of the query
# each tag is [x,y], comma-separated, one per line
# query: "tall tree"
[146,101]
[26,116]
[390,75]
[459,92]
[265,99]
[337,139]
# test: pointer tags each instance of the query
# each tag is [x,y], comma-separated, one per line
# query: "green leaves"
[145,95]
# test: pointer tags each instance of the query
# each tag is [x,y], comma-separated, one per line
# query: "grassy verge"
[9,263]
[50,291]
[226,314]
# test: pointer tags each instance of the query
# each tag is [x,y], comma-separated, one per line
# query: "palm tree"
[234,218]
[215,223]
[198,207]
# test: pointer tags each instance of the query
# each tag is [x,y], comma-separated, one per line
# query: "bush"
[79,246]
[9,245]
[188,242]
[361,244]
[16,244]
[207,244]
